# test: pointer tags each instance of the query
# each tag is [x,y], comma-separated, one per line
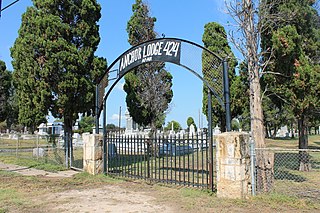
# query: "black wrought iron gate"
[182,160]
[179,160]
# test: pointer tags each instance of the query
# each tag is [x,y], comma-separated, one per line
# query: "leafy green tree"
[5,85]
[111,127]
[148,86]
[8,99]
[215,39]
[240,97]
[86,124]
[275,116]
[190,121]
[175,124]
[235,125]
[294,74]
[54,62]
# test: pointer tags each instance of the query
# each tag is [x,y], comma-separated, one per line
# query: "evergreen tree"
[173,124]
[86,124]
[294,73]
[190,121]
[148,86]
[5,85]
[215,39]
[53,60]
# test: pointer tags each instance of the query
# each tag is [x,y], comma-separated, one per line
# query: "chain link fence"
[295,172]
[42,148]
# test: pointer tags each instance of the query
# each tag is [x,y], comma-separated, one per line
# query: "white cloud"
[116,117]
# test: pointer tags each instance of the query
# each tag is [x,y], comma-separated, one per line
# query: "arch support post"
[105,146]
[211,184]
[226,93]
[97,109]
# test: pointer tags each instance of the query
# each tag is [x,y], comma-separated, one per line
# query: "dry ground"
[29,190]
[86,193]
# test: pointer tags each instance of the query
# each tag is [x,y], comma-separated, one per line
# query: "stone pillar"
[92,153]
[233,165]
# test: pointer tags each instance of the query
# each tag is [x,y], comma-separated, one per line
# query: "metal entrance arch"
[206,65]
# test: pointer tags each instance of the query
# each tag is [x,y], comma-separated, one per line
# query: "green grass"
[288,143]
[33,163]
[274,200]
[22,143]
[86,178]
[11,197]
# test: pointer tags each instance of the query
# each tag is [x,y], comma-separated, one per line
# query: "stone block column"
[92,153]
[233,165]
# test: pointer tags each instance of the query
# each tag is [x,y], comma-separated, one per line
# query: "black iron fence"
[176,160]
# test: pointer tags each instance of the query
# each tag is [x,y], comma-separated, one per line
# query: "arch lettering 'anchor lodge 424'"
[167,50]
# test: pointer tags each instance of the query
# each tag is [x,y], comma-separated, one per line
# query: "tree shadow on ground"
[286,165]
[317,146]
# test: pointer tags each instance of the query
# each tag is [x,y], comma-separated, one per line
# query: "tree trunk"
[303,144]
[223,124]
[267,131]
[68,123]
[264,160]
[292,133]
[152,139]
[275,129]
[270,132]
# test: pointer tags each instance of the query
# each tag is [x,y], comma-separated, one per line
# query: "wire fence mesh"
[296,172]
[46,149]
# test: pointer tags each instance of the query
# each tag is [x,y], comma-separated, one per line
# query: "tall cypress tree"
[295,61]
[215,39]
[5,85]
[148,86]
[53,60]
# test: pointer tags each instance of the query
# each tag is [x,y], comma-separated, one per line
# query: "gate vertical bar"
[105,147]
[226,93]
[97,109]
[210,141]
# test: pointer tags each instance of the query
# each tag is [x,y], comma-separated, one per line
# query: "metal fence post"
[105,145]
[226,90]
[17,146]
[210,159]
[253,167]
[37,147]
[97,110]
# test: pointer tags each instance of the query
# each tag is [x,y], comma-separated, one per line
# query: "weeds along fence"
[296,172]
[47,149]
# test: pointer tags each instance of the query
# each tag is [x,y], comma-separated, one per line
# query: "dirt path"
[35,172]
[105,199]
[108,198]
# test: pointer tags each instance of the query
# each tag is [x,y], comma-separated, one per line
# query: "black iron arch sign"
[167,50]
[200,61]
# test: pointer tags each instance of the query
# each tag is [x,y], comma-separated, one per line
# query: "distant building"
[55,128]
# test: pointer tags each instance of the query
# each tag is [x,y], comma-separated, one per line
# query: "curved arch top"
[205,64]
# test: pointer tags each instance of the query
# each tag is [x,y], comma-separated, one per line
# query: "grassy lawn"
[288,143]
